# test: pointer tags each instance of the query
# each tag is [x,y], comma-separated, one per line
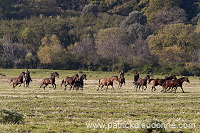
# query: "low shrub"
[7,116]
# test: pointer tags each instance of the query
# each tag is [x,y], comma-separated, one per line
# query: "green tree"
[154,6]
[180,36]
[27,35]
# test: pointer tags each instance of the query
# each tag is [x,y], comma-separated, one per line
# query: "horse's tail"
[150,80]
[62,82]
[11,80]
[164,84]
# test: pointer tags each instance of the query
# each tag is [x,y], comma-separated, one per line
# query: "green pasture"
[122,110]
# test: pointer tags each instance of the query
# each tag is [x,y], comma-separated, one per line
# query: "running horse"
[18,80]
[121,80]
[107,82]
[136,77]
[79,82]
[141,82]
[69,81]
[50,80]
[27,78]
[160,82]
[174,84]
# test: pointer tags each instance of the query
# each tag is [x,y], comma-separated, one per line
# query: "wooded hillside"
[150,36]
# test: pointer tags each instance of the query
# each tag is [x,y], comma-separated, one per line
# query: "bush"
[7,116]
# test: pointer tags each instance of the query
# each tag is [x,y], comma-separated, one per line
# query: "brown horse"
[18,80]
[69,81]
[160,82]
[174,84]
[27,78]
[142,82]
[50,80]
[79,82]
[121,80]
[107,82]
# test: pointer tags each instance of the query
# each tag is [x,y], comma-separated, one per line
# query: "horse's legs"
[113,88]
[41,85]
[54,86]
[65,86]
[182,88]
[153,87]
[45,86]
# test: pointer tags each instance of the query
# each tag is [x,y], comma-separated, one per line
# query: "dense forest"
[150,36]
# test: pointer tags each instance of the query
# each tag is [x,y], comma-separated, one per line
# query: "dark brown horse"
[160,82]
[18,80]
[142,82]
[69,81]
[50,80]
[27,78]
[121,80]
[107,82]
[79,82]
[174,84]
[136,77]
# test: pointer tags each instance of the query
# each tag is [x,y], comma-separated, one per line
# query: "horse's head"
[83,76]
[22,74]
[55,74]
[147,77]
[186,79]
[173,77]
[114,78]
[75,77]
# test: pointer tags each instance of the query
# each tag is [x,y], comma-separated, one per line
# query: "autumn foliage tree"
[51,50]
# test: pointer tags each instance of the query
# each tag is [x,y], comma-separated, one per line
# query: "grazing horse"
[142,82]
[18,80]
[160,82]
[79,82]
[50,80]
[69,81]
[174,84]
[107,82]
[121,80]
[27,78]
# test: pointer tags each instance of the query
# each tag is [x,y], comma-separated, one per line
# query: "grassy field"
[122,110]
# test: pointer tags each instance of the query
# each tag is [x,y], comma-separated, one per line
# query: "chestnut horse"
[121,80]
[107,82]
[174,84]
[50,80]
[69,81]
[160,82]
[18,80]
[79,82]
[142,82]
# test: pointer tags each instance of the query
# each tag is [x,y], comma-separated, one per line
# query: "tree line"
[139,35]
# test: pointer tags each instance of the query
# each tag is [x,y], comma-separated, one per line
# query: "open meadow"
[122,110]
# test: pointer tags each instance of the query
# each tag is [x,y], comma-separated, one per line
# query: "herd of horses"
[169,84]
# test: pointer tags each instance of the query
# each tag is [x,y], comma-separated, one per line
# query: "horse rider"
[27,75]
[122,73]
